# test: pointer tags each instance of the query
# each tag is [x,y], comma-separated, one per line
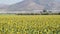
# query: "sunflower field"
[29,24]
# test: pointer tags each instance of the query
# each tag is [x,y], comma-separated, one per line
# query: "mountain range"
[35,5]
[3,6]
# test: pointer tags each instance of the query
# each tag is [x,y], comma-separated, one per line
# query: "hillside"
[32,5]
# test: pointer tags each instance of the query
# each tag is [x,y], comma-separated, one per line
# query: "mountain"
[3,6]
[35,5]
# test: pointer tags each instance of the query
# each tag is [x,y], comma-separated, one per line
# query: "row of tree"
[44,12]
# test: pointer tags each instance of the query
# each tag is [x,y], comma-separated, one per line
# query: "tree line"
[44,12]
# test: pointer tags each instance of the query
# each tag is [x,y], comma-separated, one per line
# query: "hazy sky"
[13,1]
[9,1]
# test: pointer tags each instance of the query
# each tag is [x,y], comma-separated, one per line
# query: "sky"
[13,1]
[9,1]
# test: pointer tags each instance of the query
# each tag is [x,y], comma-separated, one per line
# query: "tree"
[45,12]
